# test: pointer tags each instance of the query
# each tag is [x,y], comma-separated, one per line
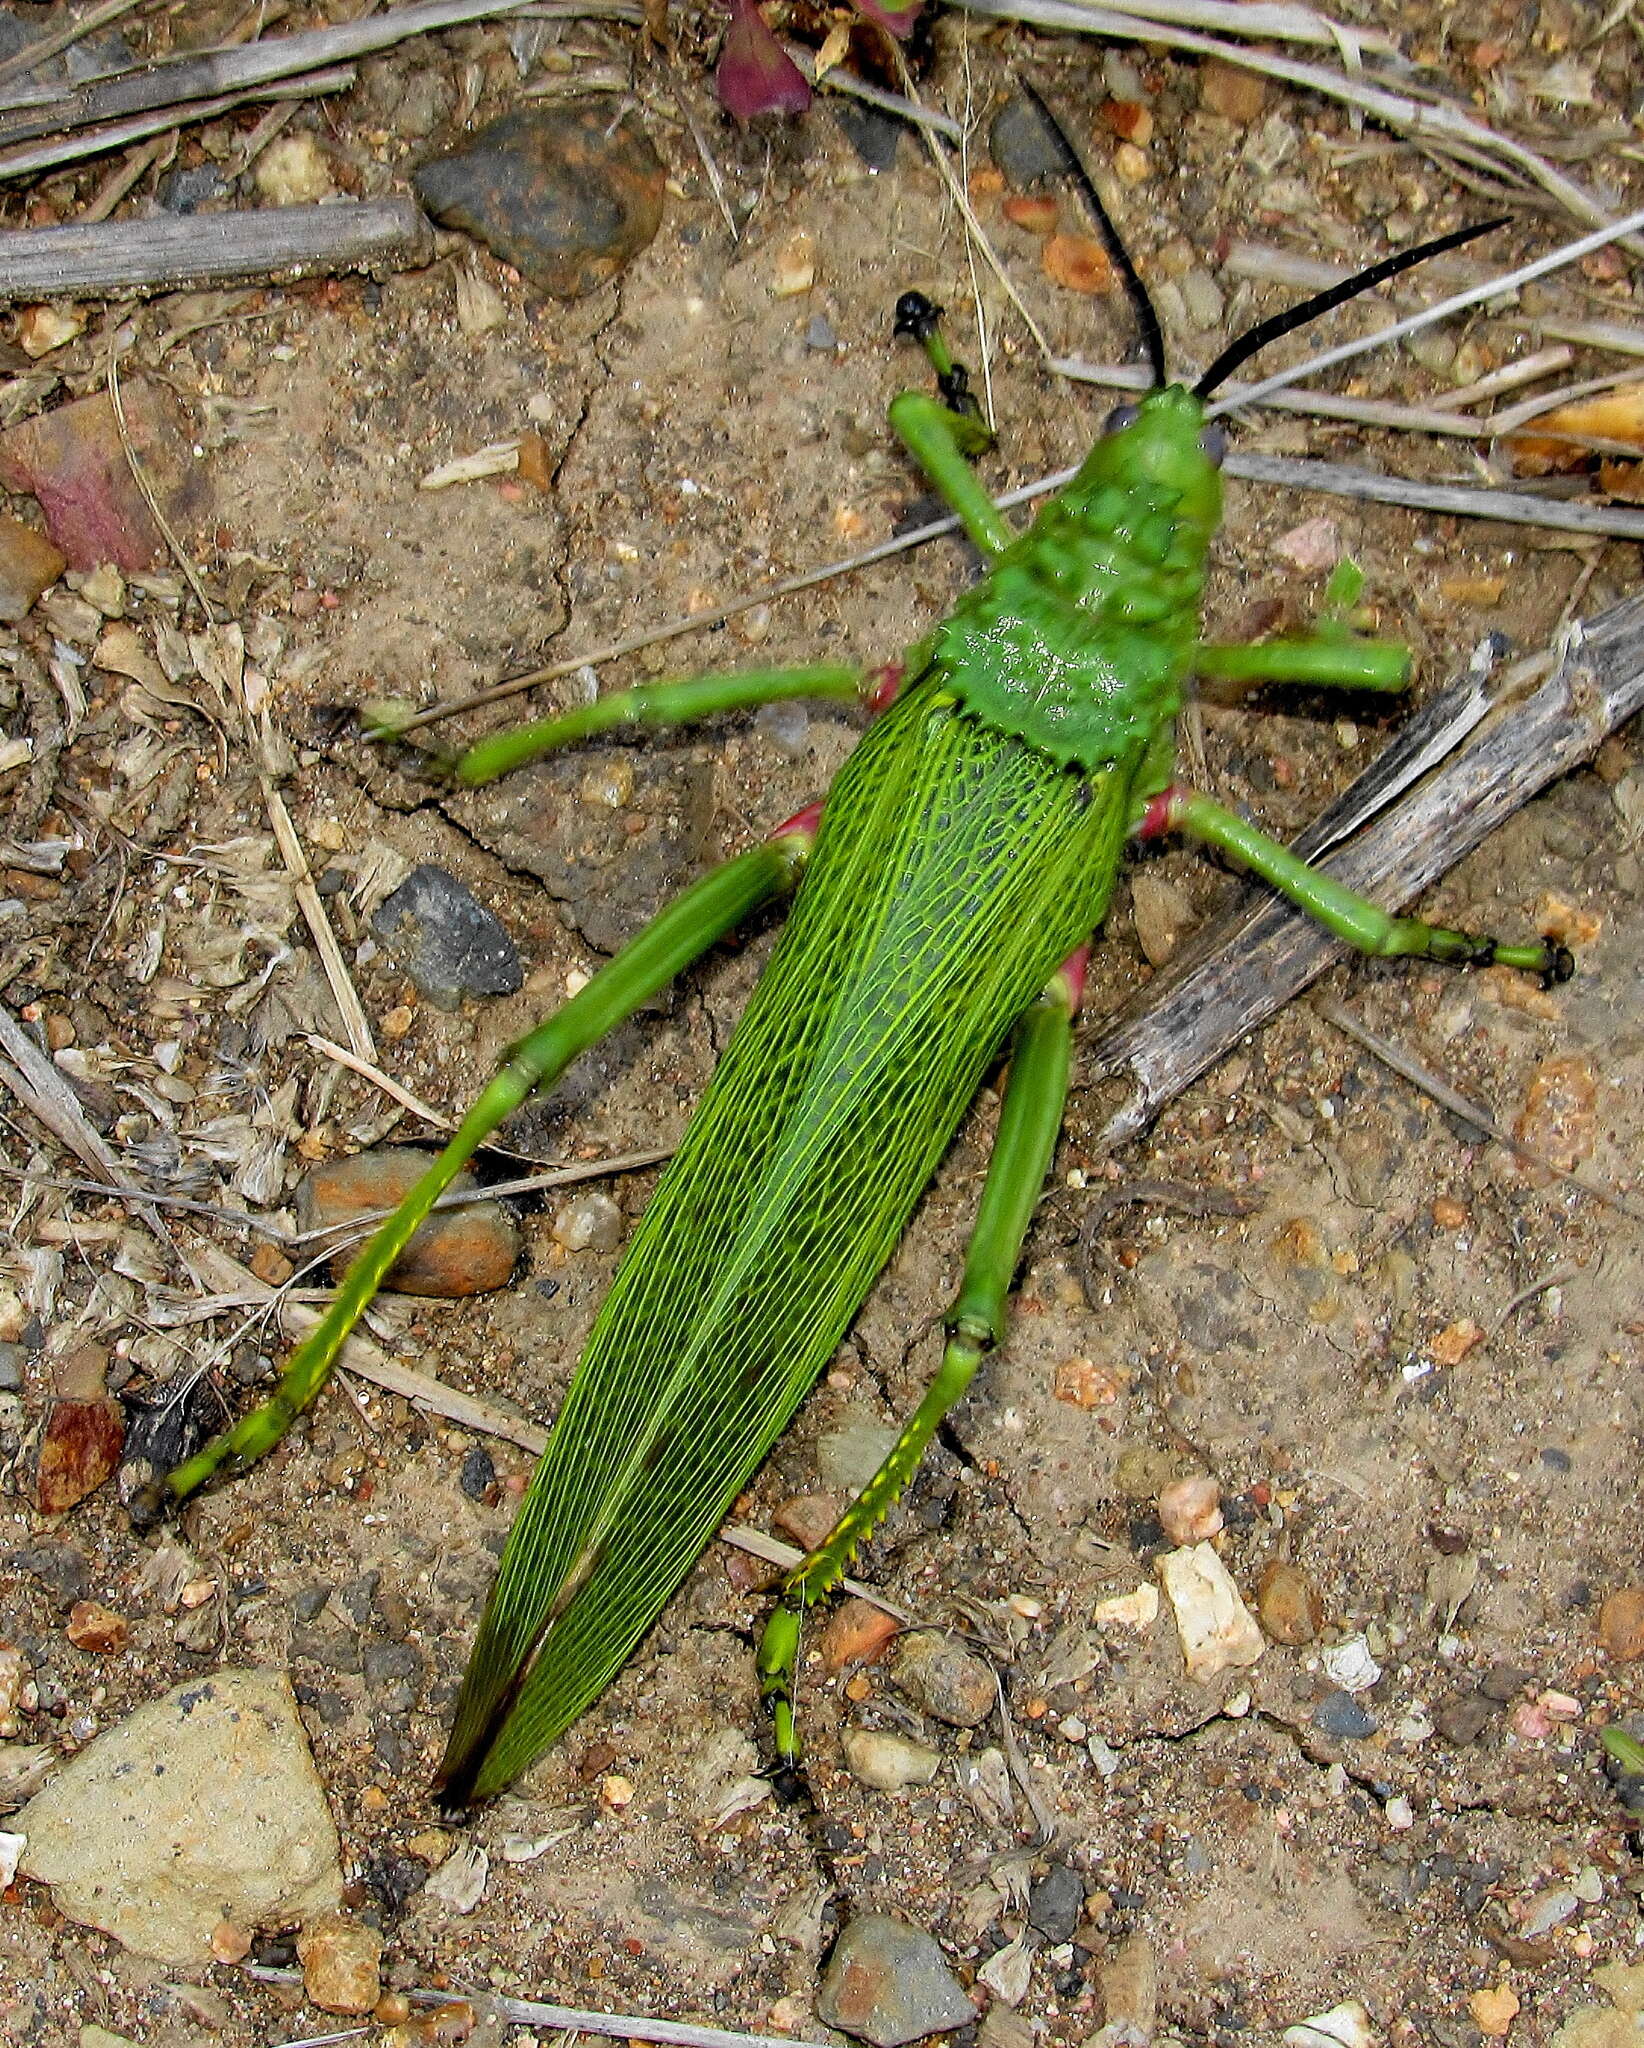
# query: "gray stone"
[889,1983]
[451,944]
[1022,146]
[564,193]
[1462,1718]
[887,1763]
[200,1807]
[944,1678]
[1338,1714]
[1056,1903]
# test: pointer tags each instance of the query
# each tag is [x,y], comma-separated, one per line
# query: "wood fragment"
[33,55]
[212,74]
[199,250]
[389,1086]
[1262,951]
[1470,501]
[1263,264]
[32,157]
[215,1267]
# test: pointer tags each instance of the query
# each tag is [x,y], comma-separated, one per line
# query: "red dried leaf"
[81,1447]
[756,75]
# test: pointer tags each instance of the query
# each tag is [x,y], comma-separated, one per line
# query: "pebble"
[848,1457]
[97,1629]
[1138,1610]
[1229,90]
[1218,1631]
[1339,1715]
[73,461]
[1313,547]
[1289,1604]
[1190,1509]
[1462,1718]
[1621,1624]
[1056,1903]
[451,945]
[1022,146]
[79,1450]
[945,1679]
[1504,1682]
[807,1518]
[1494,2008]
[856,1633]
[1343,2026]
[1078,263]
[202,1806]
[479,1472]
[1130,1990]
[471,1250]
[1351,1665]
[1560,1114]
[565,194]
[588,1223]
[1205,301]
[341,1961]
[295,171]
[29,564]
[1161,914]
[887,1763]
[889,1983]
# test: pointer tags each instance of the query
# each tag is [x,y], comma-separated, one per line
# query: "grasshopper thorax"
[1079,639]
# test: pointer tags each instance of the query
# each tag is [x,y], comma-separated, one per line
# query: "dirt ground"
[1461,1499]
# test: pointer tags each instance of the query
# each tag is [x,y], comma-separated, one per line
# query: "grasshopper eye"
[1120,417]
[1213,445]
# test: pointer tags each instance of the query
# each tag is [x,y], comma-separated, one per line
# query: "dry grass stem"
[358,1064]
[1409,1068]
[312,906]
[1439,123]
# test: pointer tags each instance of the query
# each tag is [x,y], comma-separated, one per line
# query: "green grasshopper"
[968,851]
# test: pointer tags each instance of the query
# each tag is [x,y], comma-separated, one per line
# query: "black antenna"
[1264,331]
[1074,165]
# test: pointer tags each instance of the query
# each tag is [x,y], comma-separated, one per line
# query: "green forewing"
[954,871]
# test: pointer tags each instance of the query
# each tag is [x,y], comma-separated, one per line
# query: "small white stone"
[1343,2026]
[1399,1814]
[1350,1664]
[1218,1631]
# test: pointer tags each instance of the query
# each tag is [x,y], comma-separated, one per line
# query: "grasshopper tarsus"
[917,317]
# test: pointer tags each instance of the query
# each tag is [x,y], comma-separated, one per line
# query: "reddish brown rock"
[565,194]
[81,1447]
[808,1518]
[1289,1604]
[1621,1624]
[856,1633]
[96,1628]
[1231,91]
[28,564]
[73,462]
[471,1250]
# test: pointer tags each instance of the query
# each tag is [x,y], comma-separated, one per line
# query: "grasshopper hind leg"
[1029,1121]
